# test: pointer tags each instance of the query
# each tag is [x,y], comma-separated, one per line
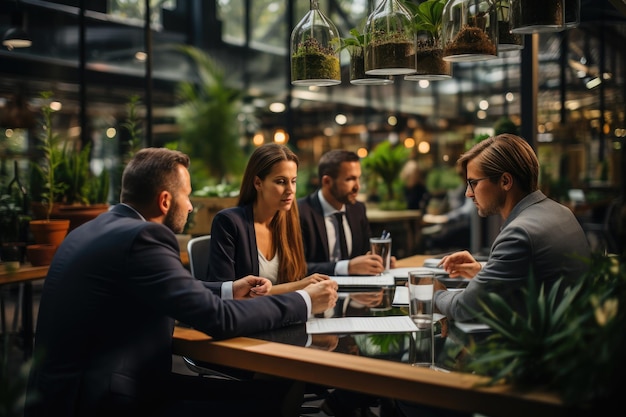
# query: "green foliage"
[427,16]
[52,159]
[65,176]
[386,161]
[573,346]
[505,125]
[12,218]
[441,179]
[208,119]
[358,39]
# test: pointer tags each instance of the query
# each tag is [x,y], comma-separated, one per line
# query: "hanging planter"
[470,30]
[428,24]
[390,46]
[355,46]
[507,40]
[315,46]
[537,16]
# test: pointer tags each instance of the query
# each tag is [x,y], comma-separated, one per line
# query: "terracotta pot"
[40,254]
[49,231]
[76,213]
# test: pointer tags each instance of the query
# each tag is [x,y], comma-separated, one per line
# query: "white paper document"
[404,272]
[365,280]
[388,324]
[472,327]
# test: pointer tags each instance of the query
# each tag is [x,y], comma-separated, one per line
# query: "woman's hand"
[251,286]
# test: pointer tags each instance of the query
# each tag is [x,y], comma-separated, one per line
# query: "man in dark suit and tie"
[113,292]
[332,213]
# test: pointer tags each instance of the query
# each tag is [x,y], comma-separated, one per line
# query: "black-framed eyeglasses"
[472,183]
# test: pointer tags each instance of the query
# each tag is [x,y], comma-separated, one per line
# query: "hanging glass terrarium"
[315,50]
[537,16]
[355,45]
[470,30]
[390,45]
[428,25]
[507,40]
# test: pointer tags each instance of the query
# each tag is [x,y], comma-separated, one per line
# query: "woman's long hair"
[286,233]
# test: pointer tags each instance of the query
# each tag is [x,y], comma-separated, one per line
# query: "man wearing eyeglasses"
[539,238]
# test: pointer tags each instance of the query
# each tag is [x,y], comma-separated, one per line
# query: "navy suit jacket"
[315,238]
[107,313]
[234,253]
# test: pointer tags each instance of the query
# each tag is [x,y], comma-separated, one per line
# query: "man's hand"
[313,278]
[460,264]
[367,265]
[323,295]
[251,286]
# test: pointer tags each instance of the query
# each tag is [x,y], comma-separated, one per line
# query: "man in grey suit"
[339,173]
[113,291]
[540,239]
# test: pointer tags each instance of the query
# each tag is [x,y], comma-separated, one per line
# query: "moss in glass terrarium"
[312,61]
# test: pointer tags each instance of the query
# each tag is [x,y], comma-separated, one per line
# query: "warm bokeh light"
[423,147]
[341,119]
[362,152]
[111,132]
[258,139]
[481,114]
[277,107]
[55,105]
[392,120]
[409,143]
[483,104]
[280,136]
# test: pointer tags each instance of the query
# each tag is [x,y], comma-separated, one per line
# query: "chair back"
[198,251]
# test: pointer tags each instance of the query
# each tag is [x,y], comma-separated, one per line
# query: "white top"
[268,269]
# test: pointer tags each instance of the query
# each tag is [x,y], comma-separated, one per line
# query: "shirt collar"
[326,207]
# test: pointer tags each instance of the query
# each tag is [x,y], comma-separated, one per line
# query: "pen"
[382,236]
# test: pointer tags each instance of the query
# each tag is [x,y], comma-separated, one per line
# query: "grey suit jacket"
[107,313]
[541,239]
[315,238]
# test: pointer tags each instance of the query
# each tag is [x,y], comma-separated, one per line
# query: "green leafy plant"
[12,218]
[357,39]
[386,161]
[427,17]
[52,159]
[573,346]
[208,120]
[65,175]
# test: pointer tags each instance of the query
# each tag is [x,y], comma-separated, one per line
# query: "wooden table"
[24,275]
[453,390]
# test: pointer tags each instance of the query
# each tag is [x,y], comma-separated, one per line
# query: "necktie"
[341,235]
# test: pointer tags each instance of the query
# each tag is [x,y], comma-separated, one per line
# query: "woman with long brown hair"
[261,236]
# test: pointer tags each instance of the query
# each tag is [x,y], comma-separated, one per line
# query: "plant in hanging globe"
[313,61]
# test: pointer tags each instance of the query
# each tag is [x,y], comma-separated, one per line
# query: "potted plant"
[428,25]
[573,346]
[47,231]
[68,189]
[355,45]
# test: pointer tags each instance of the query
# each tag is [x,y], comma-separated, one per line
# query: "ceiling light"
[16,38]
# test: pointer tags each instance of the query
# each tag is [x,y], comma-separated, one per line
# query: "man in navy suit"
[339,173]
[111,297]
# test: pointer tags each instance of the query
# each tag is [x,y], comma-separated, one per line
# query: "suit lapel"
[320,225]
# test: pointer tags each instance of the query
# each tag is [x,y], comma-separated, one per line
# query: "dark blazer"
[107,313]
[315,238]
[234,253]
